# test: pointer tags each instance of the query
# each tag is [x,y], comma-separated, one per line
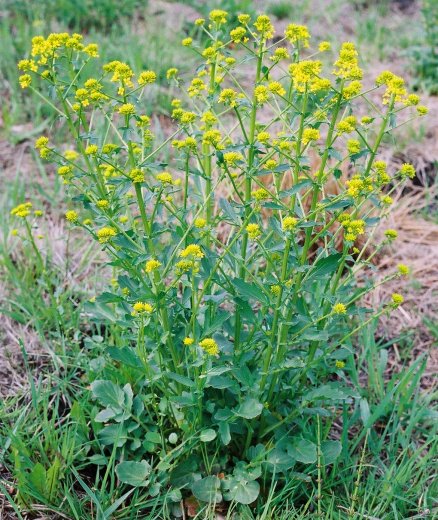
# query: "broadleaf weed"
[239,270]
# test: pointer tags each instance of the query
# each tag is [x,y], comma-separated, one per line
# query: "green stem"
[248,181]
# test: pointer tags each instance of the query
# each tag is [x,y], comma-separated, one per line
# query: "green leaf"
[303,451]
[296,188]
[219,319]
[224,432]
[105,415]
[229,211]
[207,435]
[100,311]
[133,473]
[249,409]
[183,380]
[108,393]
[243,491]
[207,489]
[249,291]
[328,392]
[280,459]
[153,437]
[125,355]
[113,434]
[37,478]
[52,479]
[330,451]
[325,266]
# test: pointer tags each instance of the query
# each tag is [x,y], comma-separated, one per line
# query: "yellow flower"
[395,86]
[102,203]
[92,149]
[105,234]
[187,117]
[71,155]
[353,146]
[151,265]
[92,50]
[136,175]
[228,97]
[347,125]
[353,228]
[263,137]
[199,21]
[212,137]
[171,73]
[164,178]
[264,26]
[340,364]
[71,216]
[22,210]
[275,290]
[232,158]
[126,109]
[25,80]
[277,88]
[339,308]
[411,100]
[352,90]
[281,53]
[193,251]
[270,164]
[403,270]
[27,65]
[64,170]
[347,65]
[187,42]
[253,231]
[297,34]
[261,94]
[186,265]
[305,74]
[407,170]
[422,110]
[140,308]
[397,299]
[200,223]
[218,16]
[146,77]
[238,34]
[210,346]
[260,194]
[324,46]
[386,200]
[289,223]
[391,234]
[188,341]
[310,134]
[38,213]
[41,142]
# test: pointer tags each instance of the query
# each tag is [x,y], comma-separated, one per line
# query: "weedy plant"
[240,263]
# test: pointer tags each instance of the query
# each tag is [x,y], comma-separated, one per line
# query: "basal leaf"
[133,473]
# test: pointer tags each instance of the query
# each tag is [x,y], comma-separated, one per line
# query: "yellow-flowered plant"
[237,266]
